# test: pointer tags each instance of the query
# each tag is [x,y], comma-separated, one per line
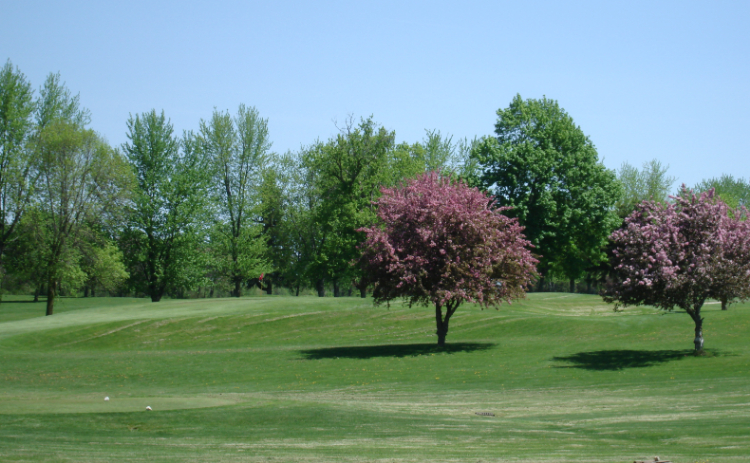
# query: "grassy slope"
[308,379]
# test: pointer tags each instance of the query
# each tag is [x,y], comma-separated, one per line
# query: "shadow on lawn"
[621,359]
[392,350]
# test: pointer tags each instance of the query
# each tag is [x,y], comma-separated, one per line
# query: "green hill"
[553,378]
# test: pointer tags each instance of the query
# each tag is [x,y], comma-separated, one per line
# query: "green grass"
[314,380]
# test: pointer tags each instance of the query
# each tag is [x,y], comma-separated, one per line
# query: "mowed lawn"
[554,378]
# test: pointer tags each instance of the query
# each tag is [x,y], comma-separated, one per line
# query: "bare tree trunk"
[695,314]
[297,293]
[269,287]
[37,290]
[237,291]
[572,285]
[363,292]
[724,303]
[442,322]
[86,291]
[320,286]
[51,297]
[336,289]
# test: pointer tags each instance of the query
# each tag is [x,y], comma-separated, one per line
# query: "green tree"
[17,156]
[169,213]
[351,169]
[237,149]
[735,192]
[651,183]
[543,166]
[79,178]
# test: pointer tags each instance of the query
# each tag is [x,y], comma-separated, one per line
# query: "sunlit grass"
[309,379]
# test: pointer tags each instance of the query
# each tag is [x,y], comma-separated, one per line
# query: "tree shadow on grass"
[392,350]
[613,360]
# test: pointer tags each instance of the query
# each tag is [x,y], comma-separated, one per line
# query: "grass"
[309,379]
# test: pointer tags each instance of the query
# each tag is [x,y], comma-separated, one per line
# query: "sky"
[667,80]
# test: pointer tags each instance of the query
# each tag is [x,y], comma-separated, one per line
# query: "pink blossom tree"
[440,242]
[680,254]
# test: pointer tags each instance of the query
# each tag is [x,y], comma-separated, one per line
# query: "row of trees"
[209,212]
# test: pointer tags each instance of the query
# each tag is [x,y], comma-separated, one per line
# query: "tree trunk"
[695,314]
[50,297]
[237,288]
[363,292]
[157,294]
[442,322]
[724,303]
[269,287]
[540,284]
[336,289]
[320,286]
[86,291]
[572,285]
[37,290]
[297,293]
[93,290]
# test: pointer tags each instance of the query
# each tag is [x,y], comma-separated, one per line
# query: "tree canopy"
[680,254]
[542,166]
[443,243]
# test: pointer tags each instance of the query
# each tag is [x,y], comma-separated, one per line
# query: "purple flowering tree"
[680,254]
[441,243]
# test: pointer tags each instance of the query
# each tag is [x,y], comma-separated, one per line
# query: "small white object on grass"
[148,408]
[106,399]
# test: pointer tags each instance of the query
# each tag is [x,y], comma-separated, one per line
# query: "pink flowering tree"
[680,254]
[442,243]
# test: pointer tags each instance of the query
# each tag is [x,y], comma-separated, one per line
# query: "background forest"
[216,212]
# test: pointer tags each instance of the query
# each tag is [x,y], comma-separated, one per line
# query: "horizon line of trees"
[216,212]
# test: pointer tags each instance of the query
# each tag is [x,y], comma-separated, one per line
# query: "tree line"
[214,212]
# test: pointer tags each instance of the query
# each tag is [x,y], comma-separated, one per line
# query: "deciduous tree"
[547,170]
[680,254]
[237,149]
[443,243]
[169,213]
[17,156]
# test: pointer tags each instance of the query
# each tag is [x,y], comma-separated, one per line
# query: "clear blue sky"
[668,80]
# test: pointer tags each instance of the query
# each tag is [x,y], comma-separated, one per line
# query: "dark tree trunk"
[695,314]
[157,294]
[724,303]
[93,290]
[297,292]
[572,285]
[269,287]
[442,322]
[86,291]
[237,288]
[363,292]
[37,290]
[320,286]
[336,289]
[51,298]
[211,293]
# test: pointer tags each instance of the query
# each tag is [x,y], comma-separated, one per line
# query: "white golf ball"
[148,408]
[106,399]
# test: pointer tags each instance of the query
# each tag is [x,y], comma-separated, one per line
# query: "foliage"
[17,156]
[543,166]
[680,254]
[169,210]
[651,183]
[237,149]
[443,243]
[735,192]
[80,177]
[348,171]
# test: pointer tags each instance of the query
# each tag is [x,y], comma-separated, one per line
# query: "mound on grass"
[553,378]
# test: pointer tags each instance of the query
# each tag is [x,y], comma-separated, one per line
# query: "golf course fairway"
[553,378]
